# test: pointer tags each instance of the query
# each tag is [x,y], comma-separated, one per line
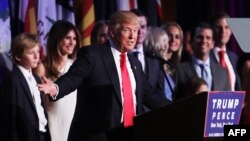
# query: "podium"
[183,120]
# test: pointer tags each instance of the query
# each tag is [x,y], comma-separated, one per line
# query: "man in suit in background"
[150,64]
[201,65]
[221,54]
[109,96]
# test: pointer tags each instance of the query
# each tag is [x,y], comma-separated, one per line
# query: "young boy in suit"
[23,115]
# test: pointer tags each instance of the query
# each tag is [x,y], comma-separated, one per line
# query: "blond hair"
[156,42]
[176,56]
[122,17]
[22,42]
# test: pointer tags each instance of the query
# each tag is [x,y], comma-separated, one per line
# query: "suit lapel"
[25,86]
[147,68]
[212,57]
[135,65]
[112,70]
[215,72]
[191,69]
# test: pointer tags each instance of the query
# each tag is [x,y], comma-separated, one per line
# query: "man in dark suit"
[150,64]
[96,74]
[23,115]
[221,52]
[200,65]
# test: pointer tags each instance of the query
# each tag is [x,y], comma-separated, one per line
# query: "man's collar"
[217,49]
[25,72]
[139,48]
[199,61]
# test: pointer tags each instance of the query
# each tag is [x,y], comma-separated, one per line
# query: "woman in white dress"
[62,45]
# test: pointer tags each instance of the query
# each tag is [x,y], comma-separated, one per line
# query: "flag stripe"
[126,4]
[30,18]
[88,18]
[132,4]
[86,41]
[86,32]
[87,22]
[159,9]
[86,6]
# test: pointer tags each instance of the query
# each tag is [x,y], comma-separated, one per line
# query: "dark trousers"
[122,134]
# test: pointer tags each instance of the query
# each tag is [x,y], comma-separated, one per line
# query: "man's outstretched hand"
[47,87]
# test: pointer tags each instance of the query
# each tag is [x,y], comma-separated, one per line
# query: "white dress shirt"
[116,55]
[35,93]
[140,56]
[208,74]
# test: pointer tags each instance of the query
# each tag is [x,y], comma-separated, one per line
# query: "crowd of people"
[92,93]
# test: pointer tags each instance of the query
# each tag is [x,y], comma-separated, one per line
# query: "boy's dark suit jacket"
[19,117]
[99,105]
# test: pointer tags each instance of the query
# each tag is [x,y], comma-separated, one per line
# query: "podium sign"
[196,118]
[223,108]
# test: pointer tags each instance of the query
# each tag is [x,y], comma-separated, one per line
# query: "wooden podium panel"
[181,121]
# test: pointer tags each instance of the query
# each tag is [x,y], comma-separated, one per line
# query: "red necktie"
[224,65]
[128,104]
[222,59]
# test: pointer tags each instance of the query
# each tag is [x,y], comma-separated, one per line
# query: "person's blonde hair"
[22,42]
[176,56]
[122,17]
[156,41]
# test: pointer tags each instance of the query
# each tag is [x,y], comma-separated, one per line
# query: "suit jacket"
[186,71]
[154,75]
[19,117]
[152,69]
[234,60]
[99,104]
